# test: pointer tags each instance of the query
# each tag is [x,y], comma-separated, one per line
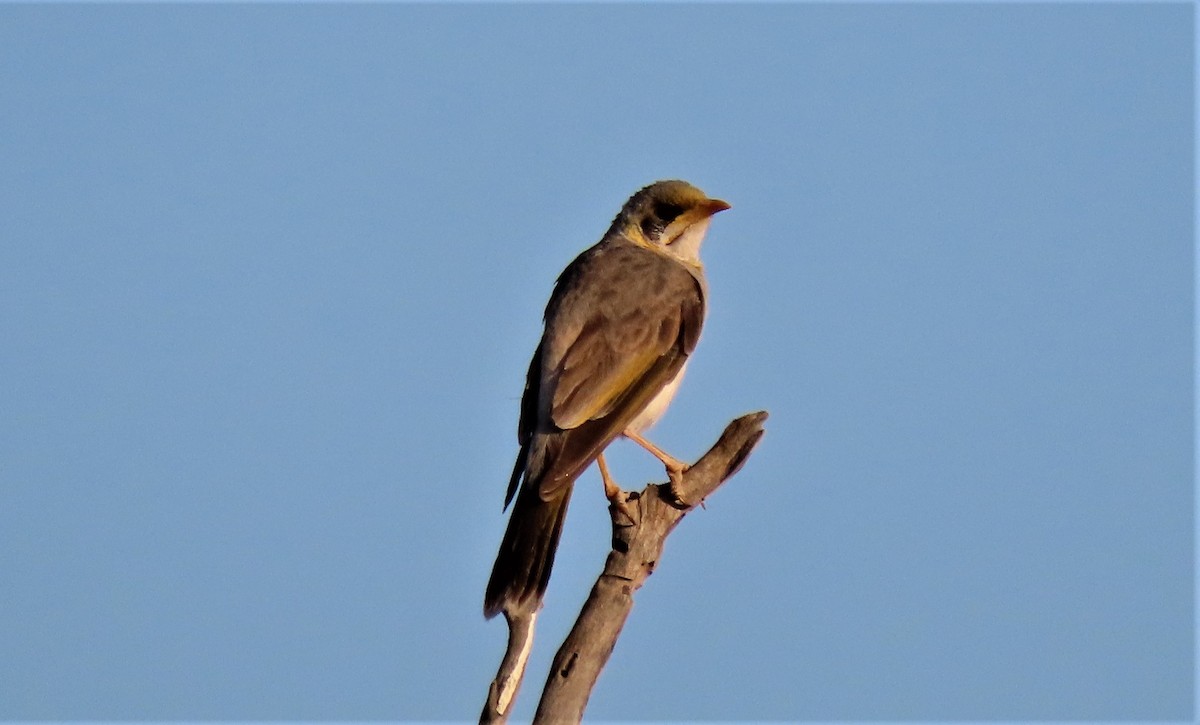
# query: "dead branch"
[636,549]
[503,690]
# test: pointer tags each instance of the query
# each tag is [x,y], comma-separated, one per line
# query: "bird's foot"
[619,500]
[616,497]
[675,482]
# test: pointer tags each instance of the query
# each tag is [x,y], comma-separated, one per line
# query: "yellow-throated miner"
[619,327]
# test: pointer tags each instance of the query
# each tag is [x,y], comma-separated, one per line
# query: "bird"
[619,326]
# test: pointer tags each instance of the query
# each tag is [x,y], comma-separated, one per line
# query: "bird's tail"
[522,567]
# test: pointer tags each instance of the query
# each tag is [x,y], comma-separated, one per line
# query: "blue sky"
[270,276]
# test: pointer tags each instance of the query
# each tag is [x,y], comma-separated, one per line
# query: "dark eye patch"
[659,217]
[667,211]
[652,226]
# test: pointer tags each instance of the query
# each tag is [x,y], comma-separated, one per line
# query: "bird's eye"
[667,212]
[661,215]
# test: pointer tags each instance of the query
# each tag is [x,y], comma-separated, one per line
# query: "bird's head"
[672,215]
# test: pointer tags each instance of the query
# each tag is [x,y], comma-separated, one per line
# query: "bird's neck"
[687,247]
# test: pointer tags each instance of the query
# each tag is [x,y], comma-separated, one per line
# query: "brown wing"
[625,321]
[527,421]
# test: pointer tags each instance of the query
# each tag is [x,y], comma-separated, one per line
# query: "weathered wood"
[503,690]
[637,548]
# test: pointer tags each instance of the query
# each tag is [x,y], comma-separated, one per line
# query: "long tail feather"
[522,568]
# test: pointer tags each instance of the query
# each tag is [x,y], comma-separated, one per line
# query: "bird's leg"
[612,491]
[675,467]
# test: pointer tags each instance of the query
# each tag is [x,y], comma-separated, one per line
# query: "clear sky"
[270,276]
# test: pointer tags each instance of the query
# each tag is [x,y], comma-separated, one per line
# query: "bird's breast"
[658,405]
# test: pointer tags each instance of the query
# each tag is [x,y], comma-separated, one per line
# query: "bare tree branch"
[637,547]
[503,690]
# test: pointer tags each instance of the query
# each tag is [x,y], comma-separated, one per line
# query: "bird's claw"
[675,483]
[617,500]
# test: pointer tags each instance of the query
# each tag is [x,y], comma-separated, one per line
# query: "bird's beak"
[712,206]
[694,221]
